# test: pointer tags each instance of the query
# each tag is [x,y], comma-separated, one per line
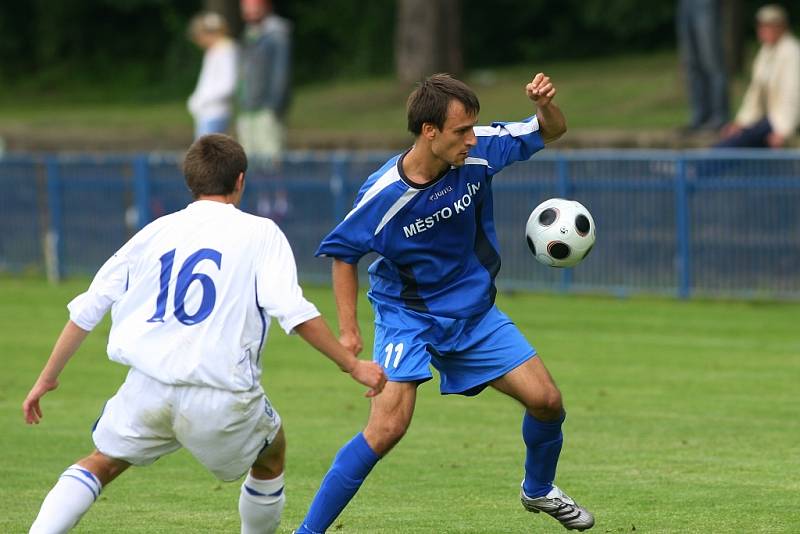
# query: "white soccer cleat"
[561,507]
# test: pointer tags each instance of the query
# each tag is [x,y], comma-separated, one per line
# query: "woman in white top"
[211,102]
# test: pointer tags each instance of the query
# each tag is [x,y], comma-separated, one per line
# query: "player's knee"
[384,435]
[396,429]
[548,405]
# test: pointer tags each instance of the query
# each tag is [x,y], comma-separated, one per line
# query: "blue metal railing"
[682,223]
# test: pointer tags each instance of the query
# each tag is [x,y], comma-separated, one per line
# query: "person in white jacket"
[211,103]
[770,111]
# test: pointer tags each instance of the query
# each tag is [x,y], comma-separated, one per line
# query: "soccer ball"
[560,232]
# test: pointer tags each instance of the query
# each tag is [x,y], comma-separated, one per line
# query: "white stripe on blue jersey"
[476,161]
[396,207]
[382,183]
[514,129]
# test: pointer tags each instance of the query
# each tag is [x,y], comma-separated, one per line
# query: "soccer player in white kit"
[191,296]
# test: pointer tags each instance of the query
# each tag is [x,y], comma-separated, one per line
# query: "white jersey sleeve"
[109,284]
[278,292]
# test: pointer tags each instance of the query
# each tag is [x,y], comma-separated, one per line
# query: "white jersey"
[192,294]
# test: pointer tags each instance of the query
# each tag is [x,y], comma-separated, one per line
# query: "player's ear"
[429,130]
[240,182]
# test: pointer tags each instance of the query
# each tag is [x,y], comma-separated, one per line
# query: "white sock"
[70,498]
[260,505]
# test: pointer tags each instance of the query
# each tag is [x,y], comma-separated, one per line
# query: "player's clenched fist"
[369,374]
[541,90]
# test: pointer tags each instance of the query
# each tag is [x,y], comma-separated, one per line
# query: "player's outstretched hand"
[369,374]
[30,407]
[541,90]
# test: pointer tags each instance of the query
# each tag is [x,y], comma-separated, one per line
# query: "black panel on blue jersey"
[484,250]
[410,292]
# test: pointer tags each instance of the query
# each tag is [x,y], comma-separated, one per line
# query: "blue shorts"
[468,353]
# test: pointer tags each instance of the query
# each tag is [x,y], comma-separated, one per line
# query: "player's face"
[453,143]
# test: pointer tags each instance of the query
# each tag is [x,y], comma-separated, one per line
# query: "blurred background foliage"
[140,46]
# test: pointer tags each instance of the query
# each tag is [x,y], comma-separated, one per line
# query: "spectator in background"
[770,110]
[264,81]
[702,56]
[211,102]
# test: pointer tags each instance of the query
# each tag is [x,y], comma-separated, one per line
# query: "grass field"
[636,92]
[682,419]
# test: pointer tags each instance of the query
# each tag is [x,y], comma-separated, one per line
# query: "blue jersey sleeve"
[355,235]
[503,143]
[351,239]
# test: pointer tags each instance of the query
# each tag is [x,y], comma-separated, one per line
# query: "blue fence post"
[564,191]
[141,190]
[53,246]
[337,185]
[682,232]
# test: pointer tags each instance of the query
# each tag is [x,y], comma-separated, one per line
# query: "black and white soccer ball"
[560,232]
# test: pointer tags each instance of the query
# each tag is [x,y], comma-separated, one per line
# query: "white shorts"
[224,430]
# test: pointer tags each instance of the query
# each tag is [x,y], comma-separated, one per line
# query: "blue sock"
[543,440]
[350,467]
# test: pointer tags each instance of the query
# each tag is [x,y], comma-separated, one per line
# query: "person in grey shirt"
[263,81]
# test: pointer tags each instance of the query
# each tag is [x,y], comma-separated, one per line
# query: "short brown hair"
[212,165]
[430,100]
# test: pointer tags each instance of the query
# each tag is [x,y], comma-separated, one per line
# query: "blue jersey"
[438,248]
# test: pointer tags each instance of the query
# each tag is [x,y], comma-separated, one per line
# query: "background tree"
[733,35]
[139,47]
[427,38]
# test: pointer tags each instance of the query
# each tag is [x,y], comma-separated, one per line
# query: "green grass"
[638,91]
[682,419]
[634,92]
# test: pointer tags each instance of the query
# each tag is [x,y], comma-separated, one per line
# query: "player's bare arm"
[345,289]
[552,123]
[317,334]
[66,345]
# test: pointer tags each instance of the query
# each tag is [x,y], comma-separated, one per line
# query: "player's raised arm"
[317,334]
[552,123]
[66,345]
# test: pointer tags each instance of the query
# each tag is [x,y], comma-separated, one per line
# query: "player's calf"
[71,497]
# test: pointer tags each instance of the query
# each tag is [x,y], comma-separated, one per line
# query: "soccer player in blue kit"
[428,214]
